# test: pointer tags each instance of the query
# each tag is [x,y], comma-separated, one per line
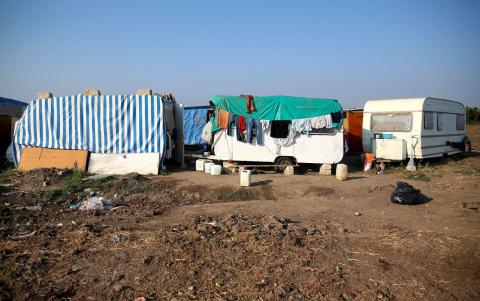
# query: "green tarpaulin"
[278,107]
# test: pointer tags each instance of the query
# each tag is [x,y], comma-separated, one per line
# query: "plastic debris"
[117,238]
[95,203]
[405,194]
[27,235]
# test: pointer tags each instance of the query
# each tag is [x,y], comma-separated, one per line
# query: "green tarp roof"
[278,107]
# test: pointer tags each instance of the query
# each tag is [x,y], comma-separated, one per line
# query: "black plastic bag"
[405,194]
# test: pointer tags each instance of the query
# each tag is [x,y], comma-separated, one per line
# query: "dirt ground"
[191,236]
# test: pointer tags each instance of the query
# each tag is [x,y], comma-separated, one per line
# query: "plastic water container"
[216,170]
[245,178]
[199,164]
[387,136]
[208,166]
[342,172]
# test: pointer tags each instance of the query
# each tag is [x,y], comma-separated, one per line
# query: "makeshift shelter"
[310,129]
[101,125]
[194,119]
[10,111]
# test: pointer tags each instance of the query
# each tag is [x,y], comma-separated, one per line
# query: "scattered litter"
[34,208]
[117,238]
[59,225]
[405,194]
[74,223]
[45,184]
[358,214]
[471,206]
[140,299]
[27,235]
[95,203]
[95,177]
[89,191]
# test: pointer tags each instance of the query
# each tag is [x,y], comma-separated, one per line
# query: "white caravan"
[317,148]
[415,128]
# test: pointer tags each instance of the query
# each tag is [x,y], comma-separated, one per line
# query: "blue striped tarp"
[98,124]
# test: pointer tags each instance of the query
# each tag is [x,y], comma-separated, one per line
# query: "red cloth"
[241,123]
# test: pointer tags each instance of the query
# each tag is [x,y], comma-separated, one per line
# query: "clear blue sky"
[349,50]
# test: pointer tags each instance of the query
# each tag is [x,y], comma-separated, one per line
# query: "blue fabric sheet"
[194,119]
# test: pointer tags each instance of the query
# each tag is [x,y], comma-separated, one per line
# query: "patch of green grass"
[71,184]
[7,172]
[419,174]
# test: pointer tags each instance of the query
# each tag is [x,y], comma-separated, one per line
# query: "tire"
[283,162]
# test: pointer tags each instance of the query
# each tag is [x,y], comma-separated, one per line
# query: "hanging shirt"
[302,125]
[279,128]
[337,116]
[222,119]
[321,122]
[231,124]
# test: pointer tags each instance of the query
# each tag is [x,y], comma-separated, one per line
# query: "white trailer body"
[418,127]
[315,148]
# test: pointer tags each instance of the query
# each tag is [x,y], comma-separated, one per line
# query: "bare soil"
[191,236]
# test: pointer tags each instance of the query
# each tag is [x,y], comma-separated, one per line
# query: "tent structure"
[107,124]
[194,119]
[10,111]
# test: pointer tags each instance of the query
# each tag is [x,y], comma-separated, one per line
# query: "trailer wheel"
[282,163]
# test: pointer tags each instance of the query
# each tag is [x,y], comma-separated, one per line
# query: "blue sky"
[349,50]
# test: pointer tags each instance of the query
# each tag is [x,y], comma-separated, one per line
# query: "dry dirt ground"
[191,236]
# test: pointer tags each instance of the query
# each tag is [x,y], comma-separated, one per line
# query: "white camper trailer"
[306,140]
[418,128]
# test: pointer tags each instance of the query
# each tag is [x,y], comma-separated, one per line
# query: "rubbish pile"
[405,194]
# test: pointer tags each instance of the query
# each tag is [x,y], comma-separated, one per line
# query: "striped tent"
[98,124]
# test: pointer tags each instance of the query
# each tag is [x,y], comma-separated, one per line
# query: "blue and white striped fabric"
[99,124]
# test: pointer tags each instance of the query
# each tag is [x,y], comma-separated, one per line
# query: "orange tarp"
[353,130]
[37,157]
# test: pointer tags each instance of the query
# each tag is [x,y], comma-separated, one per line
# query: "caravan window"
[439,121]
[460,122]
[428,120]
[395,122]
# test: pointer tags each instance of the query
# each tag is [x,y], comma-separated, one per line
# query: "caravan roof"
[414,105]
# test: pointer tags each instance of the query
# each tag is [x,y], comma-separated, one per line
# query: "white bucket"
[208,166]
[216,170]
[245,177]
[199,164]
[342,172]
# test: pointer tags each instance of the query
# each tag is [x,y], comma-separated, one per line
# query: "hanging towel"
[279,128]
[222,119]
[249,103]
[207,132]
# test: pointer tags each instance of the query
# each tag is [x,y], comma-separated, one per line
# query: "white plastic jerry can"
[200,165]
[245,178]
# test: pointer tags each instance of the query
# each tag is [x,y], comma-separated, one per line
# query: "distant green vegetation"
[473,115]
